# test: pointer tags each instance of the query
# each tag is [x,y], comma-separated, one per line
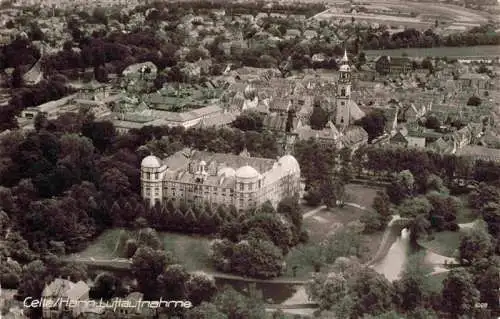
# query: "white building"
[238,180]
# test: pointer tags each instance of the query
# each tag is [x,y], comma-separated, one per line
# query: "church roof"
[354,135]
[35,74]
[355,111]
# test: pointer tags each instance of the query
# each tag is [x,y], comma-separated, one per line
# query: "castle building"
[216,178]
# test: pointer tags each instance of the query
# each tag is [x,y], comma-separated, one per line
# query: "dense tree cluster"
[234,8]
[20,52]
[373,123]
[47,90]
[384,162]
[249,121]
[412,38]
[255,246]
[116,51]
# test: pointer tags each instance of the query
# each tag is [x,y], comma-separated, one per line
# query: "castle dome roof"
[151,161]
[247,172]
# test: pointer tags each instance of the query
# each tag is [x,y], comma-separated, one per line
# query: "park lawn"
[190,251]
[444,243]
[362,194]
[466,215]
[105,245]
[436,282]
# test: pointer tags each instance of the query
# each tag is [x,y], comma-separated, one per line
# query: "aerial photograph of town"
[250,159]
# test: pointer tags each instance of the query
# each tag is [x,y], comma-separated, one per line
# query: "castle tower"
[342,115]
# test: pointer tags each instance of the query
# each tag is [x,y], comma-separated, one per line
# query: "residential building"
[198,176]
[63,296]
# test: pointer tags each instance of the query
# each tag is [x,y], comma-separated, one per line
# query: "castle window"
[342,120]
[250,186]
[241,186]
[342,103]
[157,175]
[342,92]
[148,175]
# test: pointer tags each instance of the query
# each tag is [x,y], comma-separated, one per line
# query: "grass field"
[191,251]
[444,243]
[473,51]
[104,246]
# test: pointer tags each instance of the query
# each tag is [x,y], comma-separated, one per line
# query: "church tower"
[342,114]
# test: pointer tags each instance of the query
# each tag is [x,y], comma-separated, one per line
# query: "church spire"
[345,59]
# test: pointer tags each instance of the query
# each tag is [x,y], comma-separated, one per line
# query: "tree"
[413,207]
[99,15]
[173,281]
[101,133]
[381,204]
[74,271]
[205,311]
[279,231]
[115,184]
[149,237]
[474,101]
[319,118]
[419,226]
[414,287]
[101,74]
[488,284]
[459,296]
[345,242]
[432,122]
[147,265]
[17,78]
[475,244]
[249,121]
[289,207]
[257,258]
[327,290]
[374,123]
[10,273]
[483,196]
[33,279]
[200,288]
[235,305]
[403,186]
[491,216]
[105,286]
[372,293]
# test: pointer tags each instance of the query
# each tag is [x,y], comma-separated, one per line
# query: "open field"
[423,13]
[445,243]
[191,251]
[485,51]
